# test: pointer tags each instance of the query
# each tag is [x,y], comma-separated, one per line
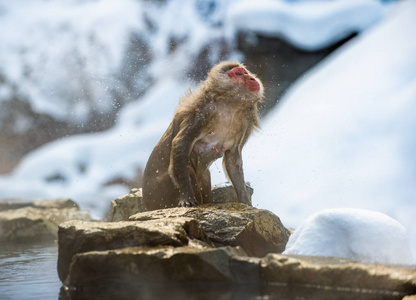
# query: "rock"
[124,207]
[338,273]
[23,221]
[77,237]
[164,252]
[143,267]
[41,204]
[225,193]
[146,266]
[257,231]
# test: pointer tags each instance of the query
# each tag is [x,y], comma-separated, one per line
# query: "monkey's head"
[235,79]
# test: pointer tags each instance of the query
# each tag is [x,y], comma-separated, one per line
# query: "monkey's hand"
[187,201]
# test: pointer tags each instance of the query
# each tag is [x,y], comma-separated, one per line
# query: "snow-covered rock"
[356,234]
[308,25]
[63,57]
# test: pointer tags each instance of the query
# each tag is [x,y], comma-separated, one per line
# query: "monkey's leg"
[194,191]
[159,192]
[233,166]
[205,186]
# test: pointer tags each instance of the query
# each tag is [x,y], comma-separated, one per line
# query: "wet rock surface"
[209,251]
[257,231]
[35,221]
[153,265]
[77,237]
[125,206]
[141,268]
[327,272]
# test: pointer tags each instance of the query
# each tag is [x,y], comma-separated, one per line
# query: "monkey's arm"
[233,165]
[189,130]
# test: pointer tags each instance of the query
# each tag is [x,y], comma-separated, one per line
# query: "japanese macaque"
[214,121]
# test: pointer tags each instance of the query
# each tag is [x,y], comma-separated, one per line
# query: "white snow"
[67,58]
[79,167]
[310,25]
[342,137]
[56,53]
[356,234]
[344,134]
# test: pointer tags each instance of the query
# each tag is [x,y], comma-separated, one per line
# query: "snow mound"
[307,25]
[356,234]
[343,136]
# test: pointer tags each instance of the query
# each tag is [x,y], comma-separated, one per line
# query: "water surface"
[29,271]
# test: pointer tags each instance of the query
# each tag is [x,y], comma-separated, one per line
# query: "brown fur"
[214,121]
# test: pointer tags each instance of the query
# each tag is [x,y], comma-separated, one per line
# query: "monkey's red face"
[241,76]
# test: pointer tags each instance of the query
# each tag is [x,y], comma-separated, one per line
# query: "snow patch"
[357,234]
[308,25]
[343,136]
[80,167]
[59,53]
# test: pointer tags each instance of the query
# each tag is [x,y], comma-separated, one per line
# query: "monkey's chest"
[212,143]
[206,151]
[225,131]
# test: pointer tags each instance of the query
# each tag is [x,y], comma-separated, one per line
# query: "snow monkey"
[214,121]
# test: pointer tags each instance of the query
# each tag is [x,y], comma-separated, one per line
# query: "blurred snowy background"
[87,87]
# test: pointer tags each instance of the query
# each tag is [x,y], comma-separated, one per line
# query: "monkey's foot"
[187,202]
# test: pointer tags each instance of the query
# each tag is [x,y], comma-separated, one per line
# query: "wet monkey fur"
[214,121]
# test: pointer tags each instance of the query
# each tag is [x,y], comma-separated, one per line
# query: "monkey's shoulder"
[193,116]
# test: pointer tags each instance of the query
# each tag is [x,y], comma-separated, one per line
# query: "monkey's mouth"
[254,86]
